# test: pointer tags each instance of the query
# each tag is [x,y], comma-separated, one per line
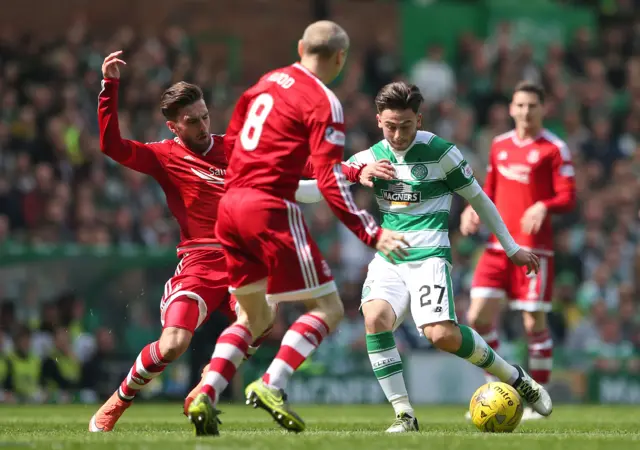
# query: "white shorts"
[422,286]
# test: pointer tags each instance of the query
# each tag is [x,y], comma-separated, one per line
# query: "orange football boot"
[108,414]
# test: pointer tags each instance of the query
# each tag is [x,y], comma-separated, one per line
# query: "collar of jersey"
[404,152]
[178,141]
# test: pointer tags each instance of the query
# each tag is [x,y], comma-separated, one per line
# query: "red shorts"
[269,247]
[201,276]
[497,277]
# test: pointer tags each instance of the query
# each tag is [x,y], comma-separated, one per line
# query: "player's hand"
[533,218]
[110,67]
[380,169]
[528,259]
[392,245]
[469,221]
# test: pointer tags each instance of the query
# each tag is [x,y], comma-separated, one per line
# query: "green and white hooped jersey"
[418,202]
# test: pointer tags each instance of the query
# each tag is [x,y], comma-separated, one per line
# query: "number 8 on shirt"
[288,117]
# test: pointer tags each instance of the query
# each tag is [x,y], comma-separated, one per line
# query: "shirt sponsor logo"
[214,176]
[516,172]
[401,193]
[335,137]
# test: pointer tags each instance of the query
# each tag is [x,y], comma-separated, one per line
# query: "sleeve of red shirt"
[490,180]
[235,125]
[326,141]
[351,171]
[564,182]
[145,158]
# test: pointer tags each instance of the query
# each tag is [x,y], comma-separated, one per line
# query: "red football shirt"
[287,118]
[522,173]
[193,183]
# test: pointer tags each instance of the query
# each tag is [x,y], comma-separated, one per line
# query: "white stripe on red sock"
[230,350]
[540,356]
[298,343]
[149,364]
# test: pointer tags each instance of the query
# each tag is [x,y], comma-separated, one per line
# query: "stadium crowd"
[57,188]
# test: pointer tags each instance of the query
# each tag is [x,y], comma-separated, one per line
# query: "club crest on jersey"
[533,156]
[333,136]
[419,171]
[401,193]
[502,155]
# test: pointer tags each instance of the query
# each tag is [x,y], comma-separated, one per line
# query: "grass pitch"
[162,426]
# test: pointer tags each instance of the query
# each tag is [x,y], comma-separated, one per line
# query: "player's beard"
[198,145]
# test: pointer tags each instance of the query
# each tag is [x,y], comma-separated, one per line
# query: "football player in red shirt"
[190,169]
[529,178]
[287,118]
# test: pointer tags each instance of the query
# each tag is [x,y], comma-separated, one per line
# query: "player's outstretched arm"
[135,155]
[490,216]
[460,179]
[335,189]
[308,191]
[360,168]
[333,186]
[358,172]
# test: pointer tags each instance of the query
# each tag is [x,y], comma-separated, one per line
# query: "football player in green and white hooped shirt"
[416,201]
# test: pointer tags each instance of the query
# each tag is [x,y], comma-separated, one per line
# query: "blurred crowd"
[53,357]
[57,188]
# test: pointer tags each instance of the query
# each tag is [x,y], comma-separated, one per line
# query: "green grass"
[153,427]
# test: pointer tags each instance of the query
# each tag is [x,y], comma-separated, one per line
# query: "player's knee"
[478,321]
[258,318]
[443,335]
[334,314]
[330,309]
[174,342]
[482,313]
[534,321]
[378,316]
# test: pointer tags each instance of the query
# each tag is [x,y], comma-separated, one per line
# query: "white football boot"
[404,423]
[534,394]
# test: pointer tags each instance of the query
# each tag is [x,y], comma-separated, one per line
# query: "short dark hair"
[178,96]
[531,88]
[399,95]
